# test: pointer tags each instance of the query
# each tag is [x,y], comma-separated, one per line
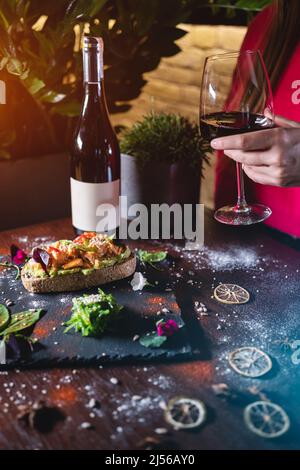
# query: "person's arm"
[270,157]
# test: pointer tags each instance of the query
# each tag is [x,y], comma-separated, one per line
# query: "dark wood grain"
[124,420]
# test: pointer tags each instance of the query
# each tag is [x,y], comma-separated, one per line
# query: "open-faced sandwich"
[87,261]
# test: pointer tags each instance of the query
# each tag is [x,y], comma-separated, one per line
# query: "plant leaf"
[15,67]
[4,316]
[35,85]
[3,62]
[152,340]
[255,5]
[70,109]
[21,321]
[52,97]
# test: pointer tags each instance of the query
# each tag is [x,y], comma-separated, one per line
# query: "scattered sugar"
[228,259]
[232,258]
[38,304]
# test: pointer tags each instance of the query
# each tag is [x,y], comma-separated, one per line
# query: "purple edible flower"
[167,328]
[18,256]
[41,256]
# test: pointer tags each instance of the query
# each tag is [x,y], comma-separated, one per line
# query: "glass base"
[248,215]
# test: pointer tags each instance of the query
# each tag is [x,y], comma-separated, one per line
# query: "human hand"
[270,157]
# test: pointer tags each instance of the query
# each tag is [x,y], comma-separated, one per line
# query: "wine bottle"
[95,153]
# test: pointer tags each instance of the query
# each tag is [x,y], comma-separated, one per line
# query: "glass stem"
[241,202]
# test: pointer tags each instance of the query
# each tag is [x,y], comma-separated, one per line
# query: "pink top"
[284,202]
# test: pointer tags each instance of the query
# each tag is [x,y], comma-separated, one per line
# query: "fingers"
[283,122]
[252,158]
[280,120]
[261,177]
[269,114]
[279,138]
[259,140]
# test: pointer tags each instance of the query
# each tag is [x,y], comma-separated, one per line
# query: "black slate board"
[138,317]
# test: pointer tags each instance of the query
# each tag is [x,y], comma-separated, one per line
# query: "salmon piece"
[75,263]
[91,257]
[58,258]
[114,249]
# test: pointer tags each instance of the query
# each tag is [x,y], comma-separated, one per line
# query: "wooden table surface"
[130,411]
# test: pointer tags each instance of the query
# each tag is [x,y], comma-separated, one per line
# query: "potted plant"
[162,160]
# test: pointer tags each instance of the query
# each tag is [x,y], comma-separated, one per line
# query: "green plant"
[165,137]
[40,61]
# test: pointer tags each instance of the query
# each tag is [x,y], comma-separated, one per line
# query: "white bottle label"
[95,206]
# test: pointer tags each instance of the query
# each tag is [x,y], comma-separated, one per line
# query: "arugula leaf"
[151,257]
[21,321]
[152,340]
[124,255]
[4,316]
[92,314]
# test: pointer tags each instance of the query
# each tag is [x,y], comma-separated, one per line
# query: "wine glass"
[236,97]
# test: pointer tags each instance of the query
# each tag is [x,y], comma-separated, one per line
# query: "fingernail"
[216,144]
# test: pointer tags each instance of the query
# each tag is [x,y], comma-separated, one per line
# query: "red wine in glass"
[222,124]
[236,98]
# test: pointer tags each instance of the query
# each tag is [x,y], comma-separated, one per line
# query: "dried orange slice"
[185,413]
[250,362]
[231,294]
[266,419]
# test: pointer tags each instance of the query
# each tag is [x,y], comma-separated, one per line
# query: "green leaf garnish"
[4,316]
[151,257]
[124,255]
[152,340]
[11,265]
[21,321]
[92,314]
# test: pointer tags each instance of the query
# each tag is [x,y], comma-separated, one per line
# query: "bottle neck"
[94,88]
[93,66]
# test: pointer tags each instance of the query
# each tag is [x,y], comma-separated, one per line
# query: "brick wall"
[175,85]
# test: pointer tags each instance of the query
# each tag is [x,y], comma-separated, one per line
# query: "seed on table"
[161,431]
[86,425]
[114,380]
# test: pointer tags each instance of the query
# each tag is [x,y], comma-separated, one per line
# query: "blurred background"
[154,55]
